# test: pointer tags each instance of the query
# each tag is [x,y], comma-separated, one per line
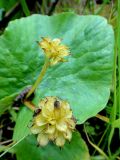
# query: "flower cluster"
[53,121]
[54,50]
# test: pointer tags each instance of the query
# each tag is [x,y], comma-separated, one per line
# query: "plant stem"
[114,109]
[53,6]
[25,7]
[95,146]
[103,118]
[40,77]
[101,139]
[118,45]
[10,146]
[29,105]
[7,141]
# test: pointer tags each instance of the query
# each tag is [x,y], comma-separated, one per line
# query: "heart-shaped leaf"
[84,80]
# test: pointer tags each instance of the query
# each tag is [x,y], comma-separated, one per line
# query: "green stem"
[40,77]
[25,7]
[100,151]
[29,105]
[118,45]
[11,146]
[103,118]
[114,109]
[101,139]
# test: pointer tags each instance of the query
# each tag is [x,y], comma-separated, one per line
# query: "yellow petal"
[52,121]
[66,109]
[47,110]
[54,61]
[65,105]
[68,114]
[57,113]
[63,50]
[71,123]
[45,43]
[60,141]
[61,126]
[68,134]
[51,137]
[40,120]
[50,129]
[56,41]
[36,129]
[42,103]
[42,139]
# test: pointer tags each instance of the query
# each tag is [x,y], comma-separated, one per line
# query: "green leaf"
[99,157]
[84,80]
[7,4]
[76,150]
[116,123]
[22,124]
[6,102]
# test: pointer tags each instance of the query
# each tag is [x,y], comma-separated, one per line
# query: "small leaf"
[6,103]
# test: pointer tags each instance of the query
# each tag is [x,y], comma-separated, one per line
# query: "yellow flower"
[54,122]
[54,50]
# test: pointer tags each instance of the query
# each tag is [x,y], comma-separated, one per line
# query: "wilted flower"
[54,50]
[53,121]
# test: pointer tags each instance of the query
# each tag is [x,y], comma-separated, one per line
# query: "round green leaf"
[84,80]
